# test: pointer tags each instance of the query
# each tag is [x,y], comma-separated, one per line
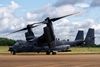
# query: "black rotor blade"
[58,18]
[19,30]
[23,29]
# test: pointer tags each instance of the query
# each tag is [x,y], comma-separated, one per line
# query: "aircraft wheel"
[47,53]
[13,52]
[53,53]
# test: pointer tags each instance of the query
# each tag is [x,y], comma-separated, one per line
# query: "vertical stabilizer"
[80,35]
[90,37]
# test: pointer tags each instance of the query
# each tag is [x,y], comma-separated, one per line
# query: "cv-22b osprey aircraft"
[45,43]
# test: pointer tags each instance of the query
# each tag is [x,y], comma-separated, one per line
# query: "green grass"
[4,49]
[85,50]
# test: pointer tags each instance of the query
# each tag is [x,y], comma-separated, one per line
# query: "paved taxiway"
[50,61]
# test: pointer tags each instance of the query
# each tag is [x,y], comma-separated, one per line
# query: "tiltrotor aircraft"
[45,43]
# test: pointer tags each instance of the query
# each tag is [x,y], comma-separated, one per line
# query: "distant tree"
[6,42]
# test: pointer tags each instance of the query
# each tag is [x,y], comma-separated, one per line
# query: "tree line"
[6,42]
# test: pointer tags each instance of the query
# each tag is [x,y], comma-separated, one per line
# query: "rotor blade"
[58,18]
[24,29]
[19,30]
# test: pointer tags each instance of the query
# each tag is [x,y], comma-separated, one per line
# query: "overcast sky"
[16,14]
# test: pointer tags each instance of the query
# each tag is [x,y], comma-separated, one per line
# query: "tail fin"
[80,35]
[90,38]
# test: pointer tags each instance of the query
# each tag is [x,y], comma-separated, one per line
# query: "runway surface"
[50,61]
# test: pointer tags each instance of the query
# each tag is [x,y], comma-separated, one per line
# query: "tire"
[13,53]
[53,53]
[47,53]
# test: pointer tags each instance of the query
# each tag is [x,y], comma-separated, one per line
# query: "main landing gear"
[48,53]
[13,52]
